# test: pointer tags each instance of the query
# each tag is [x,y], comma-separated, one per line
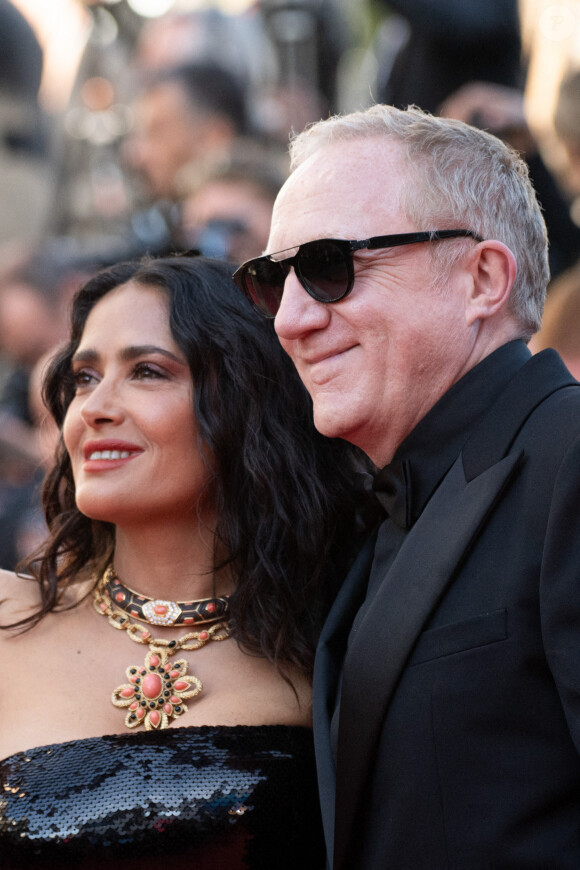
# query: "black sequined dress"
[205,798]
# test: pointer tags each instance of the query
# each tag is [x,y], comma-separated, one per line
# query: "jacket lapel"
[327,668]
[416,581]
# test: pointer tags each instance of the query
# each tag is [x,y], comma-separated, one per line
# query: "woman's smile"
[130,429]
[108,454]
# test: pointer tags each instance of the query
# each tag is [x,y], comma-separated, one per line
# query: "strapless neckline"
[240,797]
[131,734]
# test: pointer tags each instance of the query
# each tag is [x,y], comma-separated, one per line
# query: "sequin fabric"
[209,798]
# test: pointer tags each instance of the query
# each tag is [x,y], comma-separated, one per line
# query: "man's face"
[229,202]
[166,137]
[375,362]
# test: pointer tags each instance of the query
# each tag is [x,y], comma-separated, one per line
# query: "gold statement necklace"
[157,690]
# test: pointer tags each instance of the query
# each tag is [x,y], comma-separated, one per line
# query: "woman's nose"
[102,405]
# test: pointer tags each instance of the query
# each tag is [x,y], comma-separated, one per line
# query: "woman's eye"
[145,372]
[82,378]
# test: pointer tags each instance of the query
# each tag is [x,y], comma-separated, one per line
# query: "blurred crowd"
[174,139]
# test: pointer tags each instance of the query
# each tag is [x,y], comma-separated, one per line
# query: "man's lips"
[313,359]
[316,370]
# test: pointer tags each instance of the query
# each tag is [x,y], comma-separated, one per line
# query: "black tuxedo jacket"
[459,731]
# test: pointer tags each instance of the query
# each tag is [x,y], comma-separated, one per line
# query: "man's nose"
[298,312]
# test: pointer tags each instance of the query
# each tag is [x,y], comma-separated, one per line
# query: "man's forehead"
[367,156]
[344,190]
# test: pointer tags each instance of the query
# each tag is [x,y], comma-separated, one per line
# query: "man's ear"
[493,269]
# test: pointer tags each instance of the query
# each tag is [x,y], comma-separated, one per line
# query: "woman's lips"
[96,462]
[107,455]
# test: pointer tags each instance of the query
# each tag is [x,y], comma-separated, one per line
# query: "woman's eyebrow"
[128,353]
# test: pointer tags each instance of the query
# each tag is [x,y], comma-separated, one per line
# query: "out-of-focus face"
[28,325]
[167,135]
[229,203]
[375,362]
[130,429]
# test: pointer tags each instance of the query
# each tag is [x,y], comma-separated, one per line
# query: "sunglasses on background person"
[323,267]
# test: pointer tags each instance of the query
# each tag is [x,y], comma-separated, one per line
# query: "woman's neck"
[169,564]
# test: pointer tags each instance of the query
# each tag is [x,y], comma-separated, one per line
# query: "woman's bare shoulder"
[19,596]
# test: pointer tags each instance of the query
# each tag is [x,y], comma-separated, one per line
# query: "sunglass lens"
[264,281]
[324,267]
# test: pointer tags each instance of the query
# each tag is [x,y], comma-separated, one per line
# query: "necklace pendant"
[156,691]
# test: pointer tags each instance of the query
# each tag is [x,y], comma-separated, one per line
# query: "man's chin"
[333,423]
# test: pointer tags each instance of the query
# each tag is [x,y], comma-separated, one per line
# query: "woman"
[192,508]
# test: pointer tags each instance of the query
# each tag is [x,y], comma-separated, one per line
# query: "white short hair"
[462,177]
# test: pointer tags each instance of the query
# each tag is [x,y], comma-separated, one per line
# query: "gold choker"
[157,690]
[158,611]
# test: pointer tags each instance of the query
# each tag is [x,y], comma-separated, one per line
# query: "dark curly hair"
[284,494]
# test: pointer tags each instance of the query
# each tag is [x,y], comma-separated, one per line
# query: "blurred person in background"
[130,124]
[202,35]
[443,44]
[27,528]
[26,170]
[20,480]
[567,126]
[228,210]
[186,117]
[182,116]
[501,110]
[561,320]
[464,61]
[36,288]
[308,39]
[287,54]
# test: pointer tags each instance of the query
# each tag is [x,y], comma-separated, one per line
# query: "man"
[185,115]
[447,680]
[444,45]
[26,158]
[228,211]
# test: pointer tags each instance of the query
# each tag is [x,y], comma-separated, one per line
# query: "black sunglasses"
[323,267]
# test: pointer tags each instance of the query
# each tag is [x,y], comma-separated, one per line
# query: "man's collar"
[404,486]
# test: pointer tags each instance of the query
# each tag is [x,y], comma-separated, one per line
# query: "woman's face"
[130,429]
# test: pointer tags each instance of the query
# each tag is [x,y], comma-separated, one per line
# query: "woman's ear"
[493,271]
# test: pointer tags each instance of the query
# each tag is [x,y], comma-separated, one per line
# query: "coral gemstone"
[180,686]
[154,717]
[152,686]
[127,692]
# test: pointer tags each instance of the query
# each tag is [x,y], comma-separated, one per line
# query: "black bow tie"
[392,487]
